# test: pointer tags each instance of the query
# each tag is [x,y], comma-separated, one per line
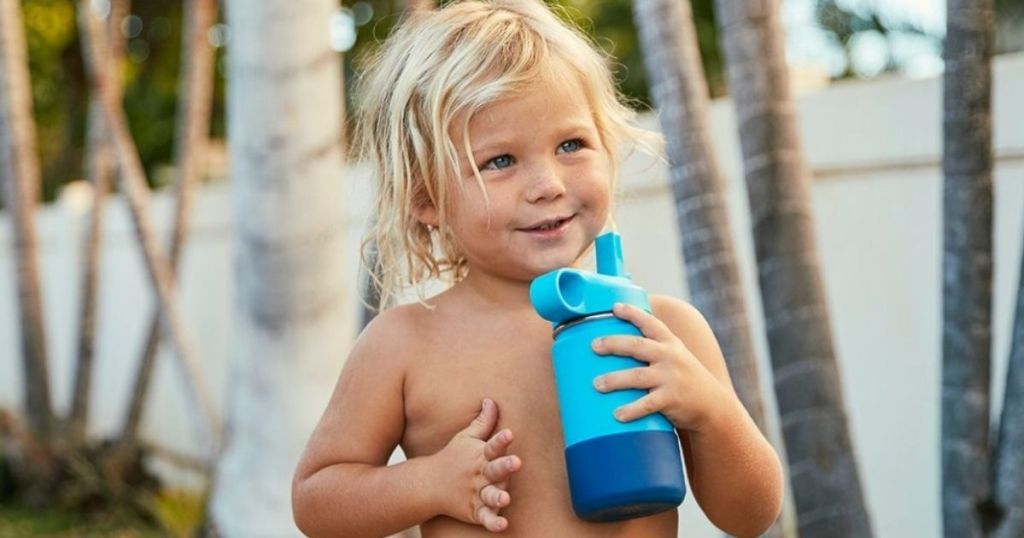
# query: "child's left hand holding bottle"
[680,387]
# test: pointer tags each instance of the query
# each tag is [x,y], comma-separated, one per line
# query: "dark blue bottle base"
[625,476]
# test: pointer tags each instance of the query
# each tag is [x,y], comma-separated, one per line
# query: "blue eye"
[570,146]
[498,163]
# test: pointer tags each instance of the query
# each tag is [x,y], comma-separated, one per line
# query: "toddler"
[494,129]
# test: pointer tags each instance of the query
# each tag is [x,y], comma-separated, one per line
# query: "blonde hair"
[424,85]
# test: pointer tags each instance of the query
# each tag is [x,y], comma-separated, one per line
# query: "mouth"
[549,226]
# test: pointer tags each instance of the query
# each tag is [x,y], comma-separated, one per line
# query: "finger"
[495,497]
[643,377]
[484,423]
[649,326]
[500,469]
[651,403]
[638,347]
[490,520]
[497,446]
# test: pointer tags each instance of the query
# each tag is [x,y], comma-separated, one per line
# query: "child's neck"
[491,291]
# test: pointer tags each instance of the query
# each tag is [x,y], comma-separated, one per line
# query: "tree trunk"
[668,38]
[669,41]
[822,465]
[99,169]
[966,268]
[295,315]
[195,89]
[1008,490]
[19,171]
[134,186]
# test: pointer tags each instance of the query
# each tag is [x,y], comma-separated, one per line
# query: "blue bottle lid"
[567,294]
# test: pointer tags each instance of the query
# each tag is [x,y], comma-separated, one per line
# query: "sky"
[809,46]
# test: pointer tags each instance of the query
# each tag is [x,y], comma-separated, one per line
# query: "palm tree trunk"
[966,267]
[668,38]
[134,186]
[295,316]
[194,105]
[19,171]
[1008,490]
[99,169]
[822,465]
[669,41]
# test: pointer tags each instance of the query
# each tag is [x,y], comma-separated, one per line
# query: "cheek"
[599,190]
[472,216]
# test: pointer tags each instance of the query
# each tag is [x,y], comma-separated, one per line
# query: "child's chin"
[553,265]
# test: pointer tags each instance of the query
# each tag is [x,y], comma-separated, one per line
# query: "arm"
[343,486]
[734,473]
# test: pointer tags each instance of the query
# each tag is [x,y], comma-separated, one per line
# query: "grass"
[177,514]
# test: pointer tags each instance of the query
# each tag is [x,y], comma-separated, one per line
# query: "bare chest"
[446,386]
[512,366]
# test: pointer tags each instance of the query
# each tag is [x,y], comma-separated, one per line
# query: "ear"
[426,214]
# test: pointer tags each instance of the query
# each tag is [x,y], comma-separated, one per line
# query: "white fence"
[875,148]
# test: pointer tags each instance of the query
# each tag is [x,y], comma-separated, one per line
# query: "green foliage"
[57,87]
[20,521]
[844,24]
[99,489]
[151,69]
[175,514]
[610,23]
[1009,26]
[60,87]
[179,512]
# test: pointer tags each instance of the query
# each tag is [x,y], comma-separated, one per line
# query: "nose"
[547,185]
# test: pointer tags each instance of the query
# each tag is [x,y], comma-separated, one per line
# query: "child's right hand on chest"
[474,469]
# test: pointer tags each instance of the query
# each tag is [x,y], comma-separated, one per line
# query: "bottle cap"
[566,294]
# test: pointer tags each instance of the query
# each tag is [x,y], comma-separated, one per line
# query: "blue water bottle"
[616,470]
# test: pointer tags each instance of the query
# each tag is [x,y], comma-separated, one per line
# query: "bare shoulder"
[689,325]
[365,417]
[390,333]
[677,313]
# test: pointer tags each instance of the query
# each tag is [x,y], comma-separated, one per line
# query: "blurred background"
[867,82]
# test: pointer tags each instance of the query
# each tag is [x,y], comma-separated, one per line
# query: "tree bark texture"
[822,465]
[19,172]
[195,90]
[966,268]
[295,315]
[669,42]
[99,168]
[134,185]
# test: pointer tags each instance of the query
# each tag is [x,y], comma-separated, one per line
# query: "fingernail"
[619,414]
[599,383]
[597,344]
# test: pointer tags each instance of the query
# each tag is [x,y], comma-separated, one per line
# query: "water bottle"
[616,470]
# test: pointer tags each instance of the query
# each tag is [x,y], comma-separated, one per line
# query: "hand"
[477,471]
[680,387]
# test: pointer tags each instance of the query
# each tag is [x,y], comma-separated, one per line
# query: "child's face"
[548,180]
